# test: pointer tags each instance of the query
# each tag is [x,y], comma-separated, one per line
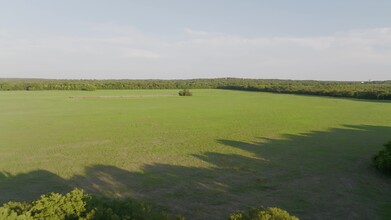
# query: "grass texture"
[202,156]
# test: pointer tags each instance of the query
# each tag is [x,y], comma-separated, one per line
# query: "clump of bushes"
[185,92]
[382,160]
[262,214]
[78,205]
[88,87]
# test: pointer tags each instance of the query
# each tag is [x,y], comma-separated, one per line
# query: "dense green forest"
[362,90]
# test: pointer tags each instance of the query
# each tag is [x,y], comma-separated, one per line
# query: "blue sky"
[325,40]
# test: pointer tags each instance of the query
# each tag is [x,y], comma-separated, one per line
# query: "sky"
[182,39]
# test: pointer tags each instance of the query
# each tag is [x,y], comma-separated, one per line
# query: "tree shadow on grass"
[29,186]
[316,175]
[386,101]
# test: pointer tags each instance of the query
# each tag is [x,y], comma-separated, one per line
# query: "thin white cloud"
[126,52]
[136,53]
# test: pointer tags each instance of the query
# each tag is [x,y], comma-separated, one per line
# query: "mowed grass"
[202,156]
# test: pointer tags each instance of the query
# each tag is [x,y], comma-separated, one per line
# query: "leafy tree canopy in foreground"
[78,205]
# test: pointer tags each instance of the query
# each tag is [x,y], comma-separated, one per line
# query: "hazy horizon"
[301,40]
[36,78]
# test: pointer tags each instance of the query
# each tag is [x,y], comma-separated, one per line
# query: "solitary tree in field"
[185,92]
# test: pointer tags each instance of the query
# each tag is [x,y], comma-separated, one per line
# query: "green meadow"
[203,156]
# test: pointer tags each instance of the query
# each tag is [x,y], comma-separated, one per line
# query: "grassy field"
[202,156]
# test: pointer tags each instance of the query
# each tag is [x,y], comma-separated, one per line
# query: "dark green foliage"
[105,208]
[369,90]
[185,92]
[361,90]
[78,205]
[382,160]
[88,87]
[262,214]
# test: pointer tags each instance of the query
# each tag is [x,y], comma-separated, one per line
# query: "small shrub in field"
[382,160]
[185,92]
[262,214]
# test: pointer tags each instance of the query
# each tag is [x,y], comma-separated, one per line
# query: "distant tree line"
[361,90]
